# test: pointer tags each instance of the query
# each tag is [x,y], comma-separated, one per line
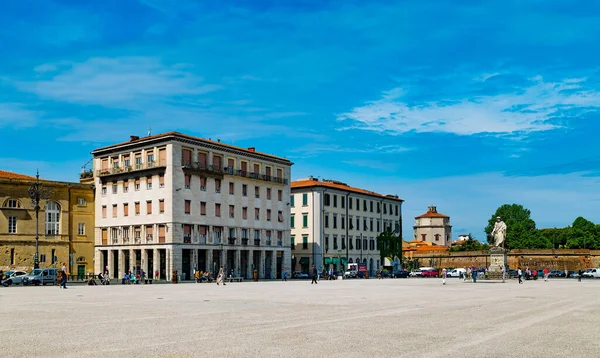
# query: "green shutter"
[305,199]
[292,200]
[292,221]
[305,221]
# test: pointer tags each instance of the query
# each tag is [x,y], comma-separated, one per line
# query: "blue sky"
[466,105]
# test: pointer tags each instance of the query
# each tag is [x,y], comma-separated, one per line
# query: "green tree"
[390,246]
[583,235]
[520,228]
[556,237]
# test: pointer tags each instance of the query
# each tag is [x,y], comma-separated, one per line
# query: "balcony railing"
[268,241]
[187,239]
[127,169]
[202,239]
[88,174]
[245,241]
[149,238]
[231,240]
[279,242]
[219,171]
[256,242]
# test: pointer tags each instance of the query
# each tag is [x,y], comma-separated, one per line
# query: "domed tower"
[433,227]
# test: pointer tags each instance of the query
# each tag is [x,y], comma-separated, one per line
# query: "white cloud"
[528,110]
[117,82]
[14,115]
[319,148]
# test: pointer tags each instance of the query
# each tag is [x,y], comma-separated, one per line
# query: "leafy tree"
[583,235]
[520,228]
[390,245]
[556,237]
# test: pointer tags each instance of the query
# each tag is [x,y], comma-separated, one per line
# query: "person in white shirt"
[520,275]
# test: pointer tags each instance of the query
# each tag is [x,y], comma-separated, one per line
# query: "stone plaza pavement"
[377,318]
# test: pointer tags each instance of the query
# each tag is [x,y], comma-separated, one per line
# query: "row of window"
[367,225]
[16,204]
[361,244]
[367,205]
[188,210]
[52,227]
[42,258]
[189,230]
[126,159]
[148,182]
[137,184]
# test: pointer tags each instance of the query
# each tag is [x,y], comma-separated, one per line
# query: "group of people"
[201,276]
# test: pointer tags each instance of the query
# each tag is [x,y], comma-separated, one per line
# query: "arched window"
[52,218]
[357,260]
[81,259]
[350,260]
[13,204]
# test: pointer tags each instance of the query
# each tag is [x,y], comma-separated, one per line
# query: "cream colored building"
[433,227]
[65,225]
[176,202]
[335,223]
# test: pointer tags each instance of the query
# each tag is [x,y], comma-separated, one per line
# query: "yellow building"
[66,225]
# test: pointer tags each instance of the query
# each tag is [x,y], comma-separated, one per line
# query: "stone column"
[209,260]
[237,263]
[110,264]
[156,262]
[273,264]
[122,267]
[261,272]
[144,262]
[250,262]
[131,261]
[98,264]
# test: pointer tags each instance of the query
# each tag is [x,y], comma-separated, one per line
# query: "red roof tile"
[10,175]
[314,183]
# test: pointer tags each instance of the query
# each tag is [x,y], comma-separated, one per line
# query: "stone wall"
[563,259]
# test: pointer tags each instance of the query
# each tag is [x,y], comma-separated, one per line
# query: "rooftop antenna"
[150,131]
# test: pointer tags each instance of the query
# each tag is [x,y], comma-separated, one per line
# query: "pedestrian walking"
[579,274]
[314,275]
[156,275]
[284,276]
[503,273]
[546,274]
[444,274]
[474,271]
[221,276]
[519,275]
[63,281]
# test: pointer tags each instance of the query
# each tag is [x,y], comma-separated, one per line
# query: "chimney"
[252,149]
[432,209]
[133,138]
[218,141]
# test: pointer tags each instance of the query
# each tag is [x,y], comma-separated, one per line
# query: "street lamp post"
[38,192]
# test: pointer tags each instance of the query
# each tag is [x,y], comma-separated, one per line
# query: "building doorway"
[80,272]
[185,264]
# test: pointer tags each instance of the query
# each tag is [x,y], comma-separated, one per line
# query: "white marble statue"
[499,232]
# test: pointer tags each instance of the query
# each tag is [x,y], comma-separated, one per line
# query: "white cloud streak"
[532,109]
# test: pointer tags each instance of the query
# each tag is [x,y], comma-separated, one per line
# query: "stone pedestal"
[497,262]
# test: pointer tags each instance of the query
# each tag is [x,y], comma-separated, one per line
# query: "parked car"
[299,275]
[401,274]
[41,277]
[415,273]
[556,273]
[429,273]
[13,278]
[459,272]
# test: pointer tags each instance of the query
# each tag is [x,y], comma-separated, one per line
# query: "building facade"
[433,227]
[65,225]
[175,202]
[333,223]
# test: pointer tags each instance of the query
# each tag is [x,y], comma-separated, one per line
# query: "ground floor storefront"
[159,261]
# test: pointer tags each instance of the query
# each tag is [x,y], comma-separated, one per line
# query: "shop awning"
[344,260]
[304,261]
[328,260]
[335,261]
